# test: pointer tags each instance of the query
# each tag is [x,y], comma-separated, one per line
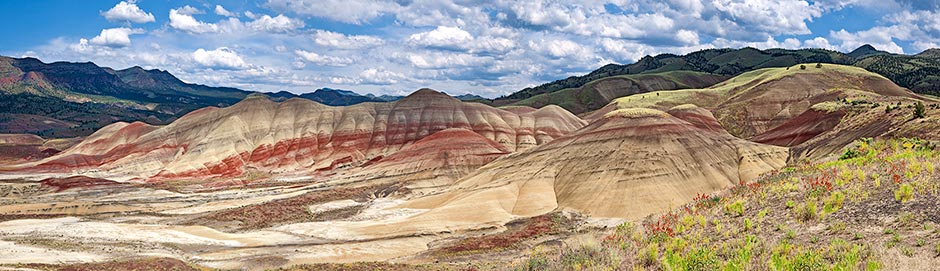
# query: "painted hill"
[258,135]
[758,101]
[628,164]
[433,162]
[815,110]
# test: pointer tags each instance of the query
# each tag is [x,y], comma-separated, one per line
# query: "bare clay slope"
[629,164]
[258,135]
[759,101]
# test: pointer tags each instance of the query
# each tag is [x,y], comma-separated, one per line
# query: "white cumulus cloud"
[115,37]
[188,10]
[279,23]
[184,21]
[443,36]
[129,12]
[454,38]
[221,11]
[220,58]
[382,76]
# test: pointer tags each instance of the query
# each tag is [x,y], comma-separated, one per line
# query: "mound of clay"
[757,102]
[435,160]
[618,166]
[296,135]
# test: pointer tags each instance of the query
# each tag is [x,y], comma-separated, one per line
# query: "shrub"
[586,257]
[699,259]
[906,218]
[787,257]
[536,262]
[834,203]
[802,67]
[736,208]
[849,154]
[818,65]
[806,211]
[919,110]
[904,193]
[651,256]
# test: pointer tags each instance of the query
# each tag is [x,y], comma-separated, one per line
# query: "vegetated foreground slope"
[873,209]
[595,94]
[258,135]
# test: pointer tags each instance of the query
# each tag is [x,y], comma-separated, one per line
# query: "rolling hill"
[916,72]
[298,135]
[598,93]
[757,101]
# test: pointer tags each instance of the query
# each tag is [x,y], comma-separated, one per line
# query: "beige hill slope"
[258,135]
[629,164]
[759,101]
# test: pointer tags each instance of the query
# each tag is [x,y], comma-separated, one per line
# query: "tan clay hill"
[628,164]
[258,135]
[788,106]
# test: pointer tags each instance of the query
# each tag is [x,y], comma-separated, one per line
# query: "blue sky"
[488,48]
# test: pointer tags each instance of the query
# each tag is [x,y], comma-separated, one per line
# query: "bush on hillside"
[919,110]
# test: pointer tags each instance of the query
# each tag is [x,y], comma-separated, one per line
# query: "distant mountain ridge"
[65,99]
[339,97]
